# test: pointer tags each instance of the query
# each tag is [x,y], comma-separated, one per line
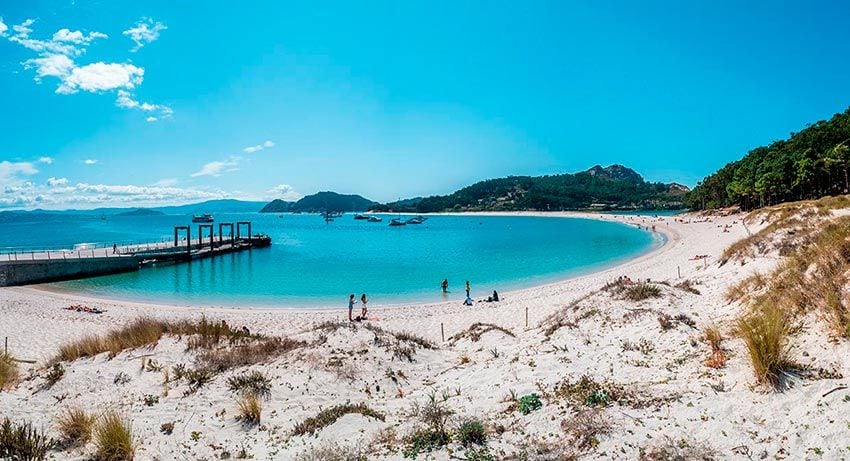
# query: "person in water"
[363,309]
[467,288]
[445,285]
[351,303]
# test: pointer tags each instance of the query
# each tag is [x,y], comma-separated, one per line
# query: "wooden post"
[526,318]
[6,346]
[442,332]
[679,271]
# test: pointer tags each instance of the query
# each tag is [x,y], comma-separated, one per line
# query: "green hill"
[322,201]
[612,187]
[810,164]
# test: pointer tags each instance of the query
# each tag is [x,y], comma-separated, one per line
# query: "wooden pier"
[30,266]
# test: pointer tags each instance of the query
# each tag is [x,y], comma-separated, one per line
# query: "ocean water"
[316,264]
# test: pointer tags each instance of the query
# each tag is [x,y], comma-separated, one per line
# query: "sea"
[317,264]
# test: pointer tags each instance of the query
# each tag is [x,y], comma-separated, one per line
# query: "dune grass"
[146,332]
[249,409]
[75,425]
[330,415]
[251,383]
[22,441]
[712,336]
[765,331]
[9,373]
[113,438]
[641,291]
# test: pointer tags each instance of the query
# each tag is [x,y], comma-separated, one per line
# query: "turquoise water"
[312,263]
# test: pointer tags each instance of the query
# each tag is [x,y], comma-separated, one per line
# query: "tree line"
[810,164]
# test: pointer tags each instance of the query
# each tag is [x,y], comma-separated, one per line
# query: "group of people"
[468,301]
[363,310]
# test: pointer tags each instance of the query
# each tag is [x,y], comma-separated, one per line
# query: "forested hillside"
[809,164]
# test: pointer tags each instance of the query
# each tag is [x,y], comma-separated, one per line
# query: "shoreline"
[667,237]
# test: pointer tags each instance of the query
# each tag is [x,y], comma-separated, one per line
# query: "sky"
[118,103]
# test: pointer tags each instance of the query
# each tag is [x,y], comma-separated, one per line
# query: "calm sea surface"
[311,263]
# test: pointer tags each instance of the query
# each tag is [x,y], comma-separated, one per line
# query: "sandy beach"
[672,397]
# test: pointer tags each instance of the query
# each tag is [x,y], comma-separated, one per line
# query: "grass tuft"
[641,291]
[251,383]
[22,441]
[250,409]
[75,425]
[765,331]
[113,438]
[9,373]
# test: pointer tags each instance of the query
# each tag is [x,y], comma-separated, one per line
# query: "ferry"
[206,217]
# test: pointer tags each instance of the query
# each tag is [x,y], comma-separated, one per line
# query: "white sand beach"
[668,395]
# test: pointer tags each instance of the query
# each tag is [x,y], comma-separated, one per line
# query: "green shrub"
[252,382]
[471,431]
[529,403]
[424,441]
[22,441]
[642,291]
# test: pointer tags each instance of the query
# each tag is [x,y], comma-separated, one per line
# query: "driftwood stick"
[836,389]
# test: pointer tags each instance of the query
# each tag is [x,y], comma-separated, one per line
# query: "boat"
[361,217]
[416,220]
[206,217]
[374,219]
[397,222]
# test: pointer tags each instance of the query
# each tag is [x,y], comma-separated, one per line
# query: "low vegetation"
[585,427]
[113,438]
[75,425]
[470,431]
[641,291]
[402,345]
[765,331]
[669,449]
[479,329]
[332,452]
[431,432]
[9,373]
[21,441]
[250,409]
[712,336]
[329,416]
[146,332]
[251,383]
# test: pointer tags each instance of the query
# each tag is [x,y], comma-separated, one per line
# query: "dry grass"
[241,355]
[711,335]
[765,331]
[479,329]
[678,450]
[75,425]
[329,416]
[249,409]
[9,373]
[146,332]
[331,451]
[641,291]
[113,438]
[585,427]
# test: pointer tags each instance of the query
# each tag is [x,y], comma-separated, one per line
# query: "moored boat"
[374,219]
[206,217]
[397,222]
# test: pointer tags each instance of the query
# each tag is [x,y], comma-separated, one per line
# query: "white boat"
[206,217]
[374,219]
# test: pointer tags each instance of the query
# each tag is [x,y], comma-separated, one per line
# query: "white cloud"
[56,59]
[90,161]
[125,100]
[3,27]
[76,37]
[145,31]
[284,191]
[64,41]
[61,194]
[218,167]
[258,147]
[51,65]
[46,160]
[101,76]
[12,173]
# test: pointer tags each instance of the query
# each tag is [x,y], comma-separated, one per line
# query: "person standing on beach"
[351,303]
[445,285]
[467,288]
[363,309]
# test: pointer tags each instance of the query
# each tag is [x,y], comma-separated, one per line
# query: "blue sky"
[136,103]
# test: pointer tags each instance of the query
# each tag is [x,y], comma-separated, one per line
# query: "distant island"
[141,212]
[615,187]
[322,201]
